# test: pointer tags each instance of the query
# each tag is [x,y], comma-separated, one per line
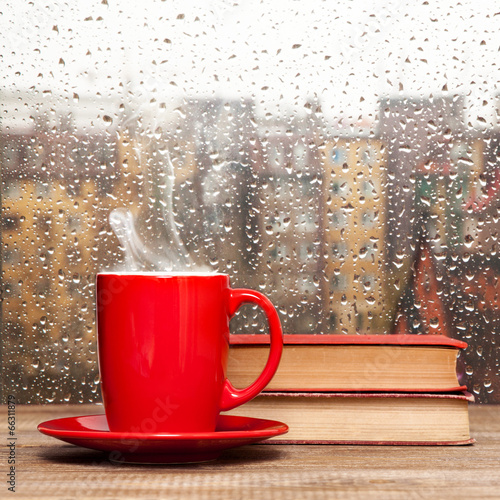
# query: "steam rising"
[164,250]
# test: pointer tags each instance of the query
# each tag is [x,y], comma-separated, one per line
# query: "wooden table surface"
[50,469]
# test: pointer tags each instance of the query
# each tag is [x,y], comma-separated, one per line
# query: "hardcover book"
[334,363]
[366,418]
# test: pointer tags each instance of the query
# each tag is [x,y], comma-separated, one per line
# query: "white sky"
[348,54]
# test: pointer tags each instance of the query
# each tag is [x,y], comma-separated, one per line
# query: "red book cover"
[397,340]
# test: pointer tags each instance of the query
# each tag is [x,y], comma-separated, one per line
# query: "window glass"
[309,152]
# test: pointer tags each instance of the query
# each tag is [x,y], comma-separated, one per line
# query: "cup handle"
[232,397]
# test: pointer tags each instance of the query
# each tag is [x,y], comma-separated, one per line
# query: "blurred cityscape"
[325,222]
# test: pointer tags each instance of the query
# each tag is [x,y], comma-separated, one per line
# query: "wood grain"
[49,469]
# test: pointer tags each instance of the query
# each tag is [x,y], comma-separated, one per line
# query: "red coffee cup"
[163,344]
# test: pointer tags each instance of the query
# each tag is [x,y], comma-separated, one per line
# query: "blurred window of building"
[369,219]
[367,251]
[370,188]
[339,250]
[340,187]
[12,189]
[10,289]
[43,287]
[74,222]
[42,189]
[338,156]
[368,282]
[340,282]
[308,187]
[276,154]
[10,222]
[305,284]
[11,256]
[368,155]
[308,251]
[307,222]
[300,155]
[338,219]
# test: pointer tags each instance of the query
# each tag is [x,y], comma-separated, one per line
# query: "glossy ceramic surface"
[92,432]
[163,346]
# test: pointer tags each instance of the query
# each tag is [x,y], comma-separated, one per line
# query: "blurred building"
[411,128]
[52,238]
[483,200]
[444,183]
[447,180]
[289,229]
[417,133]
[474,269]
[219,189]
[354,225]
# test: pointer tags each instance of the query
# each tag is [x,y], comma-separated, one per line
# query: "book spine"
[369,443]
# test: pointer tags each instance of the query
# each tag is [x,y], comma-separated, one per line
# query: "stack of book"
[362,389]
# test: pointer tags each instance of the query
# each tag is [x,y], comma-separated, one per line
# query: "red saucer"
[92,432]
